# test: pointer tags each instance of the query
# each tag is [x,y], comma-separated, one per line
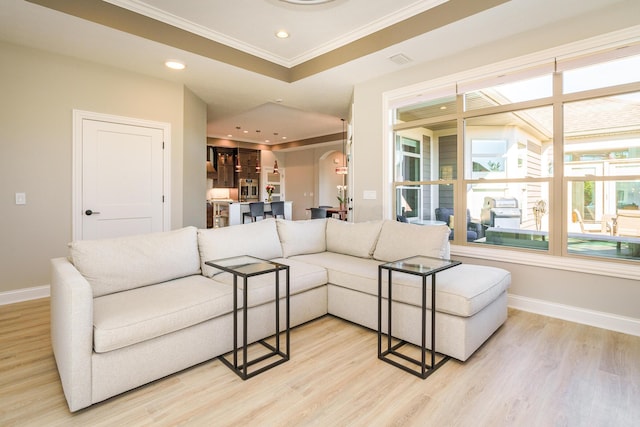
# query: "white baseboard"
[613,322]
[26,294]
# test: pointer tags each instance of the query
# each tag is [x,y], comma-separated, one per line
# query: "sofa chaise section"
[470,299]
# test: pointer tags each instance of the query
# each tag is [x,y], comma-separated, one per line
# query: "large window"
[425,160]
[550,159]
[602,166]
[409,168]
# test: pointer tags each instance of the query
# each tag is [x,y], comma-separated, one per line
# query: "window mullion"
[559,203]
[459,192]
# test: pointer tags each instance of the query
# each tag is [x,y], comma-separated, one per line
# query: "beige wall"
[39,92]
[302,178]
[300,172]
[195,159]
[592,292]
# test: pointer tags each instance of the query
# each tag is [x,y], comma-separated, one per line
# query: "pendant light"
[275,163]
[342,170]
[238,165]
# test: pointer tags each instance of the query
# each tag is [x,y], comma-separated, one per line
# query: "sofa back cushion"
[258,239]
[400,240]
[115,265]
[302,237]
[352,238]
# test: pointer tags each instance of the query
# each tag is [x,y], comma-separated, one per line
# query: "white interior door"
[122,180]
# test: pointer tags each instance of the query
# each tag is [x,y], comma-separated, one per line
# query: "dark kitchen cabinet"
[250,164]
[222,162]
[222,165]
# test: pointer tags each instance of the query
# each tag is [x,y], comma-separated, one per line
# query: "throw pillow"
[302,237]
[352,238]
[114,265]
[258,239]
[400,240]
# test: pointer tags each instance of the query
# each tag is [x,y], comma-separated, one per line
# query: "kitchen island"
[237,210]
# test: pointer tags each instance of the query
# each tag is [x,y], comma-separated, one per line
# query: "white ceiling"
[307,108]
[250,25]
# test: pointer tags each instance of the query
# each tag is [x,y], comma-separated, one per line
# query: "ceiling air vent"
[400,59]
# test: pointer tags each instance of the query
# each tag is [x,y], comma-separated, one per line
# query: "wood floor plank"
[534,371]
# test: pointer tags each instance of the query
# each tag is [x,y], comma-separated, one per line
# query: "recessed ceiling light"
[282,34]
[175,65]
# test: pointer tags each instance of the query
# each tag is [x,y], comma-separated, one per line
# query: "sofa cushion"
[258,239]
[468,288]
[401,240]
[114,265]
[352,238]
[356,273]
[302,237]
[462,290]
[137,315]
[302,277]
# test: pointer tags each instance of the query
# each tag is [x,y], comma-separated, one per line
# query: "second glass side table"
[423,267]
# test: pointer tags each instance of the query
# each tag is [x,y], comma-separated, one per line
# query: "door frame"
[76,157]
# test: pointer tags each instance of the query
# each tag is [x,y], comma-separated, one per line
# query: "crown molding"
[200,30]
[157,14]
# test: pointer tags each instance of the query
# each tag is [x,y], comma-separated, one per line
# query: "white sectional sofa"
[130,310]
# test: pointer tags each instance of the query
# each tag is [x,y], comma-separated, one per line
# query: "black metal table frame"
[424,369]
[242,370]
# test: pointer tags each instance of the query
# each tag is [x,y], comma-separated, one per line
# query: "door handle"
[89,212]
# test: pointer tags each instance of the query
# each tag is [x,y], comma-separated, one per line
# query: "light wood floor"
[534,371]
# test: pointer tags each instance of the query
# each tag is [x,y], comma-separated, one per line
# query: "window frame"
[558,183]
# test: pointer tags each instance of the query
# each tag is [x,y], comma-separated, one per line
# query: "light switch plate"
[369,195]
[21,198]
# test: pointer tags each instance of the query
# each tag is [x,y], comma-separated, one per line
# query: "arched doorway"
[328,179]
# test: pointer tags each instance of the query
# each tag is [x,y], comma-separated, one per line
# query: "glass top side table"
[245,267]
[423,267]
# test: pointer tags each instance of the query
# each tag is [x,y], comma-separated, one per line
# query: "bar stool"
[256,209]
[277,209]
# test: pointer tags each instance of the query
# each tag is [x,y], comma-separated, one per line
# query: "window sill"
[590,266]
